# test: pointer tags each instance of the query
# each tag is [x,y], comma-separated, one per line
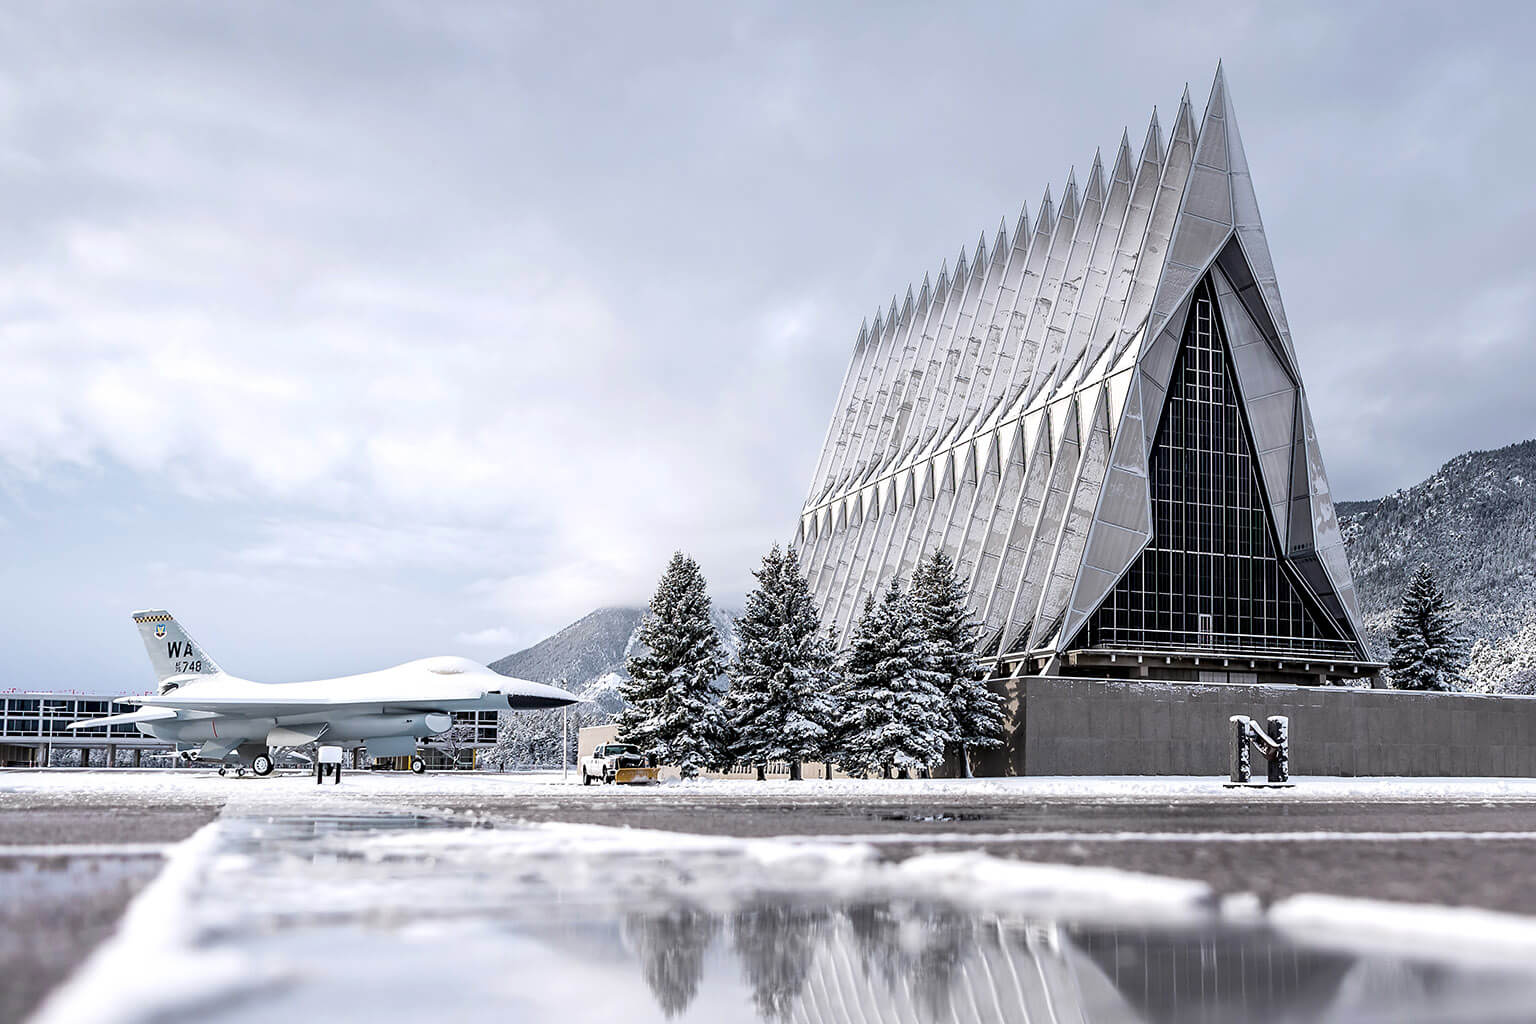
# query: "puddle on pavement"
[409,918]
[936,817]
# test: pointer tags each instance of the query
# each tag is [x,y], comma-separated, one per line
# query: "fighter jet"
[239,722]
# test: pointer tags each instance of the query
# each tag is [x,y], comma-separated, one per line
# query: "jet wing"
[131,718]
[276,706]
[520,695]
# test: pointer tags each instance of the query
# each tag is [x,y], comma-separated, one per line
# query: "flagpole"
[565,760]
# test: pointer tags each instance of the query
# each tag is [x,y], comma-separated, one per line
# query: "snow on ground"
[373,786]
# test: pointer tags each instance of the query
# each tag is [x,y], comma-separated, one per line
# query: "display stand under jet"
[234,721]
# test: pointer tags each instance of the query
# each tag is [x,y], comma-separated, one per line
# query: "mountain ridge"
[588,656]
[1472,521]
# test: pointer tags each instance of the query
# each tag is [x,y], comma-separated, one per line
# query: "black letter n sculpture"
[1275,745]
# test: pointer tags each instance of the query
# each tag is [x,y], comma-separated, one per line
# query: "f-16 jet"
[222,718]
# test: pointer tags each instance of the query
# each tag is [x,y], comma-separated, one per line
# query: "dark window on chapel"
[1210,579]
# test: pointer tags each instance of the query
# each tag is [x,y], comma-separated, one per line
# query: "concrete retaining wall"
[1066,726]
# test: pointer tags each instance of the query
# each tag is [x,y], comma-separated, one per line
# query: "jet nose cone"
[527,695]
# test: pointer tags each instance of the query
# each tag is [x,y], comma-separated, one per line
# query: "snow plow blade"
[635,774]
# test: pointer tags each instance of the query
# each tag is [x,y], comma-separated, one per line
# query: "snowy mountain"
[588,655]
[1474,522]
[581,653]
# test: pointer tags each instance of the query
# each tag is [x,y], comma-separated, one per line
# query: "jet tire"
[240,772]
[223,771]
[418,765]
[262,765]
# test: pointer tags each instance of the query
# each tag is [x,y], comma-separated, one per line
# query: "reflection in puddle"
[915,961]
[402,917]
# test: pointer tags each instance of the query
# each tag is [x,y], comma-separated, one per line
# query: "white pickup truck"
[618,762]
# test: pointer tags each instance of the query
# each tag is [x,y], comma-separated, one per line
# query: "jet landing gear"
[239,771]
[262,765]
[418,765]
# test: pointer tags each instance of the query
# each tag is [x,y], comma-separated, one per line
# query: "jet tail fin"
[172,651]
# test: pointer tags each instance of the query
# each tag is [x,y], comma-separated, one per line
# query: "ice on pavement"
[302,900]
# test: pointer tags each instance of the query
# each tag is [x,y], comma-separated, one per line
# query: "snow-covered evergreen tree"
[780,705]
[1427,653]
[976,712]
[672,706]
[893,711]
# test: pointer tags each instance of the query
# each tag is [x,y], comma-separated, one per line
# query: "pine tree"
[672,706]
[1426,652]
[976,713]
[779,707]
[894,713]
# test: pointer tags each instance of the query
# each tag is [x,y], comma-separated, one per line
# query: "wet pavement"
[1456,853]
[68,868]
[418,915]
[54,909]
[532,900]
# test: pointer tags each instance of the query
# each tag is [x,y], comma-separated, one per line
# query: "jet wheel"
[262,765]
[223,770]
[418,765]
[240,773]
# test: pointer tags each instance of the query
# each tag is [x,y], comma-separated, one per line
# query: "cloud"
[498,638]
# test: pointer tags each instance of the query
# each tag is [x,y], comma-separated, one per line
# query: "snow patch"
[1467,935]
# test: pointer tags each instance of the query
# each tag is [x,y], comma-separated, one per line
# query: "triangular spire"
[981,252]
[1183,121]
[1047,220]
[1215,106]
[1000,246]
[1095,190]
[1204,220]
[1069,196]
[1250,227]
[1123,168]
[1152,145]
[924,294]
[1152,289]
[1211,150]
[1021,229]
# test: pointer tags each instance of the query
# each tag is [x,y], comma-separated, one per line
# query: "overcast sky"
[352,333]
